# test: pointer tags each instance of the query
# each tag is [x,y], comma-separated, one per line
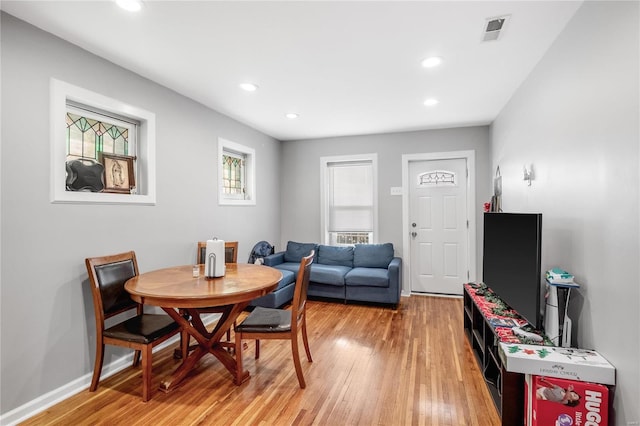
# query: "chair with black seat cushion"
[143,332]
[268,323]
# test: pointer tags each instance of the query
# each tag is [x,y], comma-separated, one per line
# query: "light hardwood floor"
[372,366]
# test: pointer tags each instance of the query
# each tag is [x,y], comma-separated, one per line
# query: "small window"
[100,140]
[349,200]
[236,176]
[90,132]
[102,150]
[234,168]
[438,178]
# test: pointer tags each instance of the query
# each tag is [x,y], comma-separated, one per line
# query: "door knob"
[413,234]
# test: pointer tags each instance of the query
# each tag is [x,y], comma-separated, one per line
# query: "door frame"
[470,157]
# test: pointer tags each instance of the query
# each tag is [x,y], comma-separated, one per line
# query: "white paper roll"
[214,259]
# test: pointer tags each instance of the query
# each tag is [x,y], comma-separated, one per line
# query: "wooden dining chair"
[268,323]
[143,332]
[230,252]
[230,256]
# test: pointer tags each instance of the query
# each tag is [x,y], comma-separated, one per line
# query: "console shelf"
[506,389]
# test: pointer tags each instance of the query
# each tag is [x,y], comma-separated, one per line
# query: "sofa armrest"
[274,259]
[395,277]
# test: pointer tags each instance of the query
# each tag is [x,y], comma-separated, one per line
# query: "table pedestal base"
[208,342]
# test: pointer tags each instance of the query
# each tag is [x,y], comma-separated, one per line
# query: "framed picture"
[118,173]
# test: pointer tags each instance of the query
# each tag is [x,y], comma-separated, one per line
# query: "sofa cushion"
[296,251]
[332,255]
[370,277]
[288,277]
[288,266]
[328,274]
[372,255]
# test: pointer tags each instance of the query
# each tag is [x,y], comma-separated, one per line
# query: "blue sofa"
[364,272]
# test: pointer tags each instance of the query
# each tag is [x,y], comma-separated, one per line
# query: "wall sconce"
[528,174]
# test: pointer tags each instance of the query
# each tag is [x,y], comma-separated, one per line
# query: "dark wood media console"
[506,389]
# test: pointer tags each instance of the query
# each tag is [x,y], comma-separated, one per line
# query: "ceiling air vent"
[493,28]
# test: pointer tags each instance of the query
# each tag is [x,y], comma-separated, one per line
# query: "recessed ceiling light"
[431,62]
[291,115]
[249,87]
[431,102]
[130,5]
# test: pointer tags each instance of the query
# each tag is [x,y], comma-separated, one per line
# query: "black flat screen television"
[511,261]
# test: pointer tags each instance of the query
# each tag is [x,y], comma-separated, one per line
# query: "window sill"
[226,202]
[70,197]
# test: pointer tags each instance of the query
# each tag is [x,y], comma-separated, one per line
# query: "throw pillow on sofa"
[296,251]
[372,255]
[332,255]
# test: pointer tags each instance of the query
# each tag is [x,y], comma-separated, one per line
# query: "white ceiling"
[346,67]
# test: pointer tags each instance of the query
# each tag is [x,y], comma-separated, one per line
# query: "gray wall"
[47,325]
[576,118]
[300,179]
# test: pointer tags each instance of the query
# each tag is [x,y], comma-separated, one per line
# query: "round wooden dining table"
[177,291]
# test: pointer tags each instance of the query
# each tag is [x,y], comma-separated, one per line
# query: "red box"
[561,402]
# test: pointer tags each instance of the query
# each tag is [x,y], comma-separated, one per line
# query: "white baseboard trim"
[445,296]
[55,396]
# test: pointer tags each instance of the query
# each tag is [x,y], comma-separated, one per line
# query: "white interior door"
[438,225]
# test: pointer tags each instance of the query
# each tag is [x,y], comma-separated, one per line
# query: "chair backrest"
[107,275]
[302,286]
[230,252]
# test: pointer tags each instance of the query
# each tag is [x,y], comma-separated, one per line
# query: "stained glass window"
[89,130]
[233,171]
[437,177]
[87,137]
[236,174]
[91,133]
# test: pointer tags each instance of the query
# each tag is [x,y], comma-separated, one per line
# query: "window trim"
[62,92]
[250,173]
[324,203]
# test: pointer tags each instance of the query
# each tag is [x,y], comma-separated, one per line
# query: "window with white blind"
[349,199]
